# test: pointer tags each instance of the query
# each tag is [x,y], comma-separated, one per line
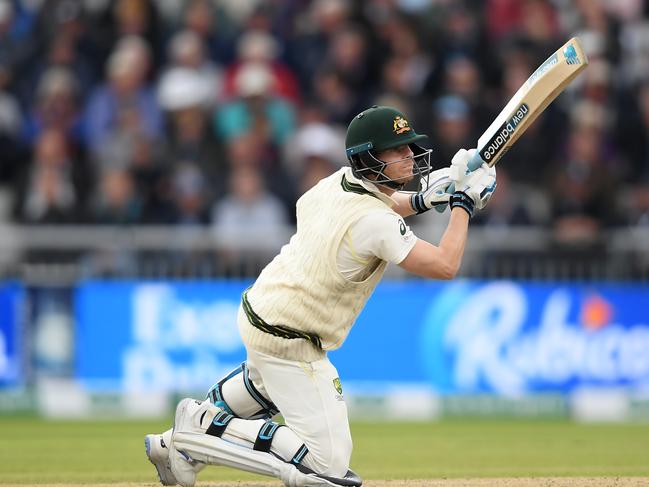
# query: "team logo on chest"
[402,227]
[400,125]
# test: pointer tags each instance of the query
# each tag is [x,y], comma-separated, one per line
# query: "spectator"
[336,98]
[408,68]
[316,29]
[256,109]
[63,44]
[509,206]
[122,19]
[246,212]
[18,44]
[633,134]
[189,74]
[191,140]
[189,196]
[50,190]
[452,128]
[214,28]
[117,202]
[85,80]
[259,47]
[11,120]
[314,143]
[582,184]
[56,106]
[535,20]
[126,103]
[461,76]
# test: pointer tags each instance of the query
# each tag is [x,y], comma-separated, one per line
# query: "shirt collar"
[371,187]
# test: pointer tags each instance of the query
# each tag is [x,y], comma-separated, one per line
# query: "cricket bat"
[543,86]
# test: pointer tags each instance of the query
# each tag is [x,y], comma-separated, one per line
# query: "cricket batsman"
[304,303]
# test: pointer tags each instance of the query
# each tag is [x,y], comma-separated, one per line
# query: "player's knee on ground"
[331,455]
[237,395]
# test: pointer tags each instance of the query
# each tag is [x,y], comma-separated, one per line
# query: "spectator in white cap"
[190,78]
[257,46]
[256,108]
[314,152]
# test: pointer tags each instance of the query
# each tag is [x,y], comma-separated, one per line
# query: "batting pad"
[216,451]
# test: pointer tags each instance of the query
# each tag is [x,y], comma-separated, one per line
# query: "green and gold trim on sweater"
[281,331]
[354,188]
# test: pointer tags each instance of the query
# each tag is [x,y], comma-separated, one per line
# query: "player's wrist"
[418,203]
[460,199]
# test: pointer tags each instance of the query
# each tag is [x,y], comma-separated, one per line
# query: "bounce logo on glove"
[400,125]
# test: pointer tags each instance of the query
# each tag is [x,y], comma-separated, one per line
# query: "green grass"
[39,451]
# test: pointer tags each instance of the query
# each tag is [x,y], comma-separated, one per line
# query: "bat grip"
[474,163]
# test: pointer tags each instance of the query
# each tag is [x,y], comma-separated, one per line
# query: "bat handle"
[474,163]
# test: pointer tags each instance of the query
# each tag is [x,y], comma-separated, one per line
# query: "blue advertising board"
[157,336]
[502,337]
[11,352]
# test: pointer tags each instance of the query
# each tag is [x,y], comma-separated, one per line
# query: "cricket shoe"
[189,415]
[157,450]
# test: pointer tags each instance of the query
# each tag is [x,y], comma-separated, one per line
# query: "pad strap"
[265,436]
[265,439]
[299,455]
[219,423]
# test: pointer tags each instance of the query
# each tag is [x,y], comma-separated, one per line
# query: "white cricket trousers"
[305,394]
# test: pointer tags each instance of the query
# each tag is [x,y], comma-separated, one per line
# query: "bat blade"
[540,89]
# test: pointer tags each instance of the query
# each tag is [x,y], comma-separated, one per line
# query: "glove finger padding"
[433,179]
[459,166]
[433,192]
[480,185]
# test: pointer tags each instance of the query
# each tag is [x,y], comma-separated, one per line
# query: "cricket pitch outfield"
[449,453]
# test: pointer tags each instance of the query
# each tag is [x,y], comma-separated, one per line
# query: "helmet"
[376,129]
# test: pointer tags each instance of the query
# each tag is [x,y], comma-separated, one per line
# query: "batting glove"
[459,170]
[432,193]
[479,186]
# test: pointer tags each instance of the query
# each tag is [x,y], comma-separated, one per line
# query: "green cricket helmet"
[379,128]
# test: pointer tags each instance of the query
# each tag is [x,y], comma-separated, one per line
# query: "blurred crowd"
[222,112]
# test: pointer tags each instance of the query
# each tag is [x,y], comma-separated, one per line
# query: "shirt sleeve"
[383,234]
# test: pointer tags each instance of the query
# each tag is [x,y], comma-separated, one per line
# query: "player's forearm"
[403,207]
[440,261]
[453,241]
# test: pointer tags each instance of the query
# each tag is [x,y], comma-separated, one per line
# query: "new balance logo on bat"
[570,53]
[504,133]
[542,69]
